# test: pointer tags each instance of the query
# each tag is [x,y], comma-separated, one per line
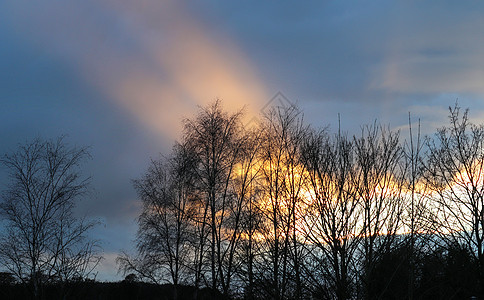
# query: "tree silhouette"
[333,215]
[164,233]
[214,137]
[286,211]
[43,241]
[454,171]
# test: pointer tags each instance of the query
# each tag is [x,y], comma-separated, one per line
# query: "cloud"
[159,60]
[150,57]
[434,49]
[188,65]
[108,268]
[362,53]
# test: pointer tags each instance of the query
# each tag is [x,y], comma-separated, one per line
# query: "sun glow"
[394,194]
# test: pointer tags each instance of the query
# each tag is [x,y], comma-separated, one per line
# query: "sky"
[119,76]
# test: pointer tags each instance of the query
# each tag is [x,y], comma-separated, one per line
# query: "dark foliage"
[123,290]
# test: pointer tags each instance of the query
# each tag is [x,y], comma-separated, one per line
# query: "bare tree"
[285,212]
[165,232]
[245,217]
[295,193]
[43,241]
[379,181]
[283,182]
[417,194]
[331,222]
[215,138]
[455,173]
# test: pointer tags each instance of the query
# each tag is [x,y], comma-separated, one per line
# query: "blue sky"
[119,76]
